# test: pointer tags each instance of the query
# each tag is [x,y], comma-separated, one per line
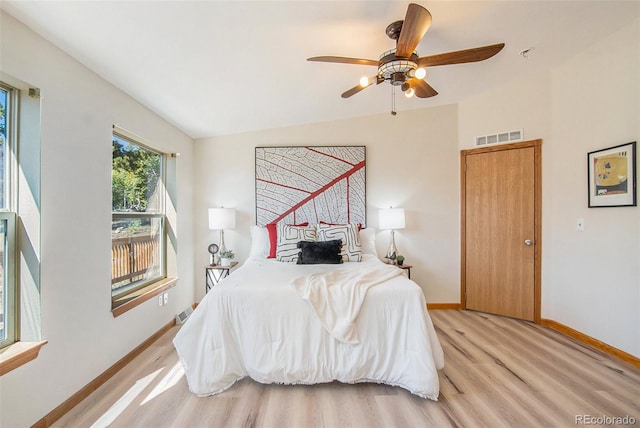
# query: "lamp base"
[222,246]
[392,252]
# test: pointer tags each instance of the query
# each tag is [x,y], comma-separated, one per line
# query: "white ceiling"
[224,67]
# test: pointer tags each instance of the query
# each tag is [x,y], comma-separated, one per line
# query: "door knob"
[528,242]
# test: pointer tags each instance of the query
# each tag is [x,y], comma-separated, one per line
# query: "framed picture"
[310,184]
[612,176]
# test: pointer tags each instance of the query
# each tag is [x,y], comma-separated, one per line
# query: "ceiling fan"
[402,66]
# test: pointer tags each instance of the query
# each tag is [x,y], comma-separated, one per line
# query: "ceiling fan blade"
[345,60]
[422,89]
[416,23]
[353,91]
[375,79]
[459,57]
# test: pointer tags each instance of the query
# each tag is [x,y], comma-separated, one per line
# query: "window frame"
[8,214]
[128,293]
[11,324]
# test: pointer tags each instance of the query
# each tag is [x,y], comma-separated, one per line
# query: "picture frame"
[611,176]
[298,184]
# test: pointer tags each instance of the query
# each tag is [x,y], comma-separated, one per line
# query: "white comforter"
[254,323]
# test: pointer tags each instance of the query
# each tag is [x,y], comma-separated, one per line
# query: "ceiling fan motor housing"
[393,30]
[398,79]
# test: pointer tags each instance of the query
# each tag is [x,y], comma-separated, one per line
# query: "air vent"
[182,316]
[501,138]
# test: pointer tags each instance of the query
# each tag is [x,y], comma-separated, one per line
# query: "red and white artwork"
[310,184]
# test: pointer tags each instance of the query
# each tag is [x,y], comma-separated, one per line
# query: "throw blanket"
[337,296]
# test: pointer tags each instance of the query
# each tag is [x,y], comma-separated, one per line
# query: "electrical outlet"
[166,298]
[160,300]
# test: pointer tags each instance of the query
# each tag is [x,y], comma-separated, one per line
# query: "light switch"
[580,225]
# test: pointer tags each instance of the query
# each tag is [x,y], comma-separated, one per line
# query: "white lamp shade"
[391,218]
[222,218]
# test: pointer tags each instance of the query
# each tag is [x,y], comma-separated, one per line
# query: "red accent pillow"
[272,231]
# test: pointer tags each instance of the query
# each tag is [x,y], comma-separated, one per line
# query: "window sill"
[18,354]
[130,301]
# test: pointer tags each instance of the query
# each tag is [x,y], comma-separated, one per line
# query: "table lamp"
[220,219]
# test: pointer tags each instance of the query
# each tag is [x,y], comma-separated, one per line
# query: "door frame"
[537,235]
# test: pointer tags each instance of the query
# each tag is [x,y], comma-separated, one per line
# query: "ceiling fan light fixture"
[391,67]
[402,66]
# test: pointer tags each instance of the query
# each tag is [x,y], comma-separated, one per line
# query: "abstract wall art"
[612,176]
[310,184]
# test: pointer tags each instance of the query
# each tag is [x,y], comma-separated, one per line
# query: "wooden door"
[501,230]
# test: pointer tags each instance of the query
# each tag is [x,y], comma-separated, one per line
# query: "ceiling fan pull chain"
[393,101]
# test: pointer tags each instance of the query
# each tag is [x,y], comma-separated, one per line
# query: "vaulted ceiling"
[224,67]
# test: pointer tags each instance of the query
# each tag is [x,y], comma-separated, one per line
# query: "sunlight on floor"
[124,401]
[167,382]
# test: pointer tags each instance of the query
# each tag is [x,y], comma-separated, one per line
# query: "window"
[8,289]
[138,249]
[20,308]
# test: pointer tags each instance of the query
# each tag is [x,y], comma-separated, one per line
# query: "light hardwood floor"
[499,372]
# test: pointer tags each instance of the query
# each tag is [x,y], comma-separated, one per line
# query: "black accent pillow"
[320,252]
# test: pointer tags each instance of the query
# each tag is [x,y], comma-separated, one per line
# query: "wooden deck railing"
[131,257]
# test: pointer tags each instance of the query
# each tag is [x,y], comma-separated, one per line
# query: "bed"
[264,321]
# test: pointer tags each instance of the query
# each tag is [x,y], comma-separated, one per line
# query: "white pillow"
[348,233]
[259,243]
[368,241]
[288,238]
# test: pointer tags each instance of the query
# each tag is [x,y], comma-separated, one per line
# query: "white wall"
[77,112]
[593,283]
[519,104]
[590,279]
[412,162]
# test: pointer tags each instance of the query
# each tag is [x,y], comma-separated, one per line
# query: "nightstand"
[406,268]
[215,273]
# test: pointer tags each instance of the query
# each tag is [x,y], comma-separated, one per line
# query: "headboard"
[311,184]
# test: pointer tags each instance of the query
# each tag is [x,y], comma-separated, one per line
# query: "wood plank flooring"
[499,372]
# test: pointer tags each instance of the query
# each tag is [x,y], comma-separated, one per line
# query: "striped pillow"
[288,238]
[351,249]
